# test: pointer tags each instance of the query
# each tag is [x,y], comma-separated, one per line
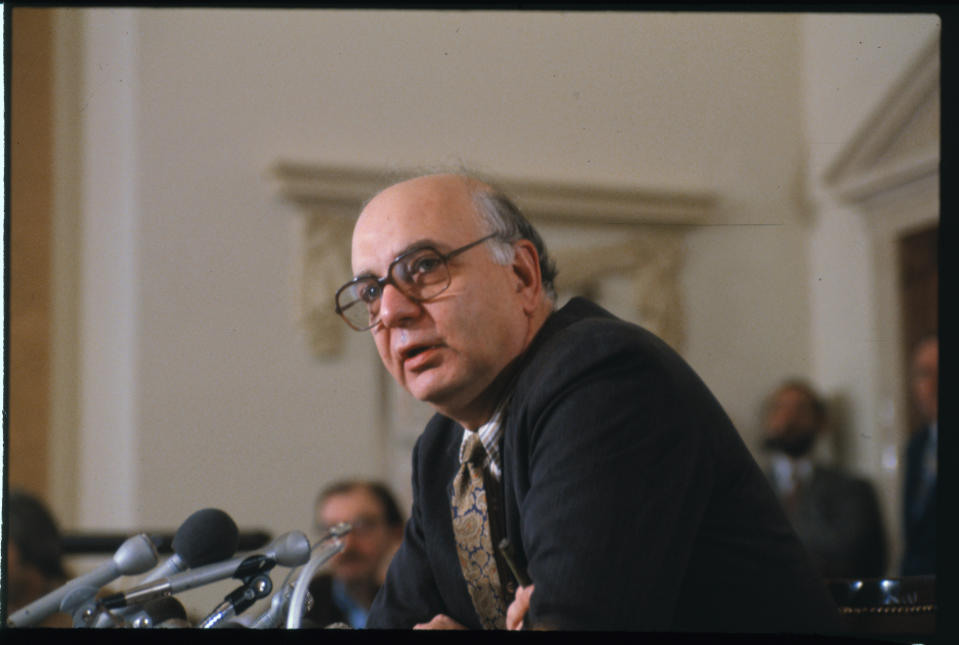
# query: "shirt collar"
[788,471]
[489,434]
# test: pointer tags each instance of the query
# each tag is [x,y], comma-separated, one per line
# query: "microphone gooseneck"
[326,548]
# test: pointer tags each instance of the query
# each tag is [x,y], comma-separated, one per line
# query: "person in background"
[34,555]
[591,447]
[835,514]
[919,494]
[344,592]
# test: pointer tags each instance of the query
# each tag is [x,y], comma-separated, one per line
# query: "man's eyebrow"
[424,243]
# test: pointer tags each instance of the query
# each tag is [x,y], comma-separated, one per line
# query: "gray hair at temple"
[505,219]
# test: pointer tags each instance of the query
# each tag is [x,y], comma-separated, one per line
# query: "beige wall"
[193,383]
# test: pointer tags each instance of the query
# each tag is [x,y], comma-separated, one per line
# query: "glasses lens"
[359,302]
[423,274]
[420,275]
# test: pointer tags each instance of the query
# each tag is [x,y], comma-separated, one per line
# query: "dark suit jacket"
[919,512]
[629,497]
[837,518]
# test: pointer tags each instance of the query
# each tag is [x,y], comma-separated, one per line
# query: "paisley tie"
[471,530]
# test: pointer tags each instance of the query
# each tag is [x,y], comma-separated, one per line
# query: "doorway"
[918,253]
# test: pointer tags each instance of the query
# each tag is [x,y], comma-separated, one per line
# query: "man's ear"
[528,280]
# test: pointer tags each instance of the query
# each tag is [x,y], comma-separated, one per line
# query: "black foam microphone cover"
[207,536]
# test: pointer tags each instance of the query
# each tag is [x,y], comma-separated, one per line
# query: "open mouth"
[412,352]
[416,351]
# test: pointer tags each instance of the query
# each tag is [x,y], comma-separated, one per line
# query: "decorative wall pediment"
[899,142]
[330,197]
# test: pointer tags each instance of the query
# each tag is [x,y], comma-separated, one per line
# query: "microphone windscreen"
[207,536]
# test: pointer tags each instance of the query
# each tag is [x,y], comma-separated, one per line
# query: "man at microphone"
[585,442]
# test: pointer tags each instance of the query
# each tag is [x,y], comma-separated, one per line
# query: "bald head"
[437,207]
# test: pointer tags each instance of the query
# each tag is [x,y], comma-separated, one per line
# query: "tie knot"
[473,450]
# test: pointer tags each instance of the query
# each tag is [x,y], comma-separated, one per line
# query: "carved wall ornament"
[653,258]
[325,267]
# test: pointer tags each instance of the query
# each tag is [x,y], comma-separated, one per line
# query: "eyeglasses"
[419,274]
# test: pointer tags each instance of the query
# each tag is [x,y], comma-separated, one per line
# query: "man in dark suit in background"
[344,592]
[34,556]
[919,499]
[835,514]
[629,498]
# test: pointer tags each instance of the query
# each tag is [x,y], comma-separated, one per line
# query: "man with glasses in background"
[583,442]
[344,592]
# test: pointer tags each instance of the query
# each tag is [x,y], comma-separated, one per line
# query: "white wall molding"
[329,197]
[899,142]
[312,184]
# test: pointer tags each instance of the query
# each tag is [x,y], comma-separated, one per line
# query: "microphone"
[232,624]
[160,612]
[329,545]
[239,600]
[289,550]
[208,535]
[136,555]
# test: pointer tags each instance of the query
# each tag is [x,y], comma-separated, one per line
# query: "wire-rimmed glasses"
[420,274]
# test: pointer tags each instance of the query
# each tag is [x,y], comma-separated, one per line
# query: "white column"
[107,423]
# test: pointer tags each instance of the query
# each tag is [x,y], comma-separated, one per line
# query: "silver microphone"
[290,549]
[329,545]
[136,555]
[206,536]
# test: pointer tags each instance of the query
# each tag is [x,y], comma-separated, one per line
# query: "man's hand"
[440,621]
[518,608]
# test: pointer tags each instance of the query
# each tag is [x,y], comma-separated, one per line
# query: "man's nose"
[396,308]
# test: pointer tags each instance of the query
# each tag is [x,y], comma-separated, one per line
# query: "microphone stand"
[239,600]
[301,589]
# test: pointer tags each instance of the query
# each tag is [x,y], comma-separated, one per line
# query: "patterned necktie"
[471,530]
